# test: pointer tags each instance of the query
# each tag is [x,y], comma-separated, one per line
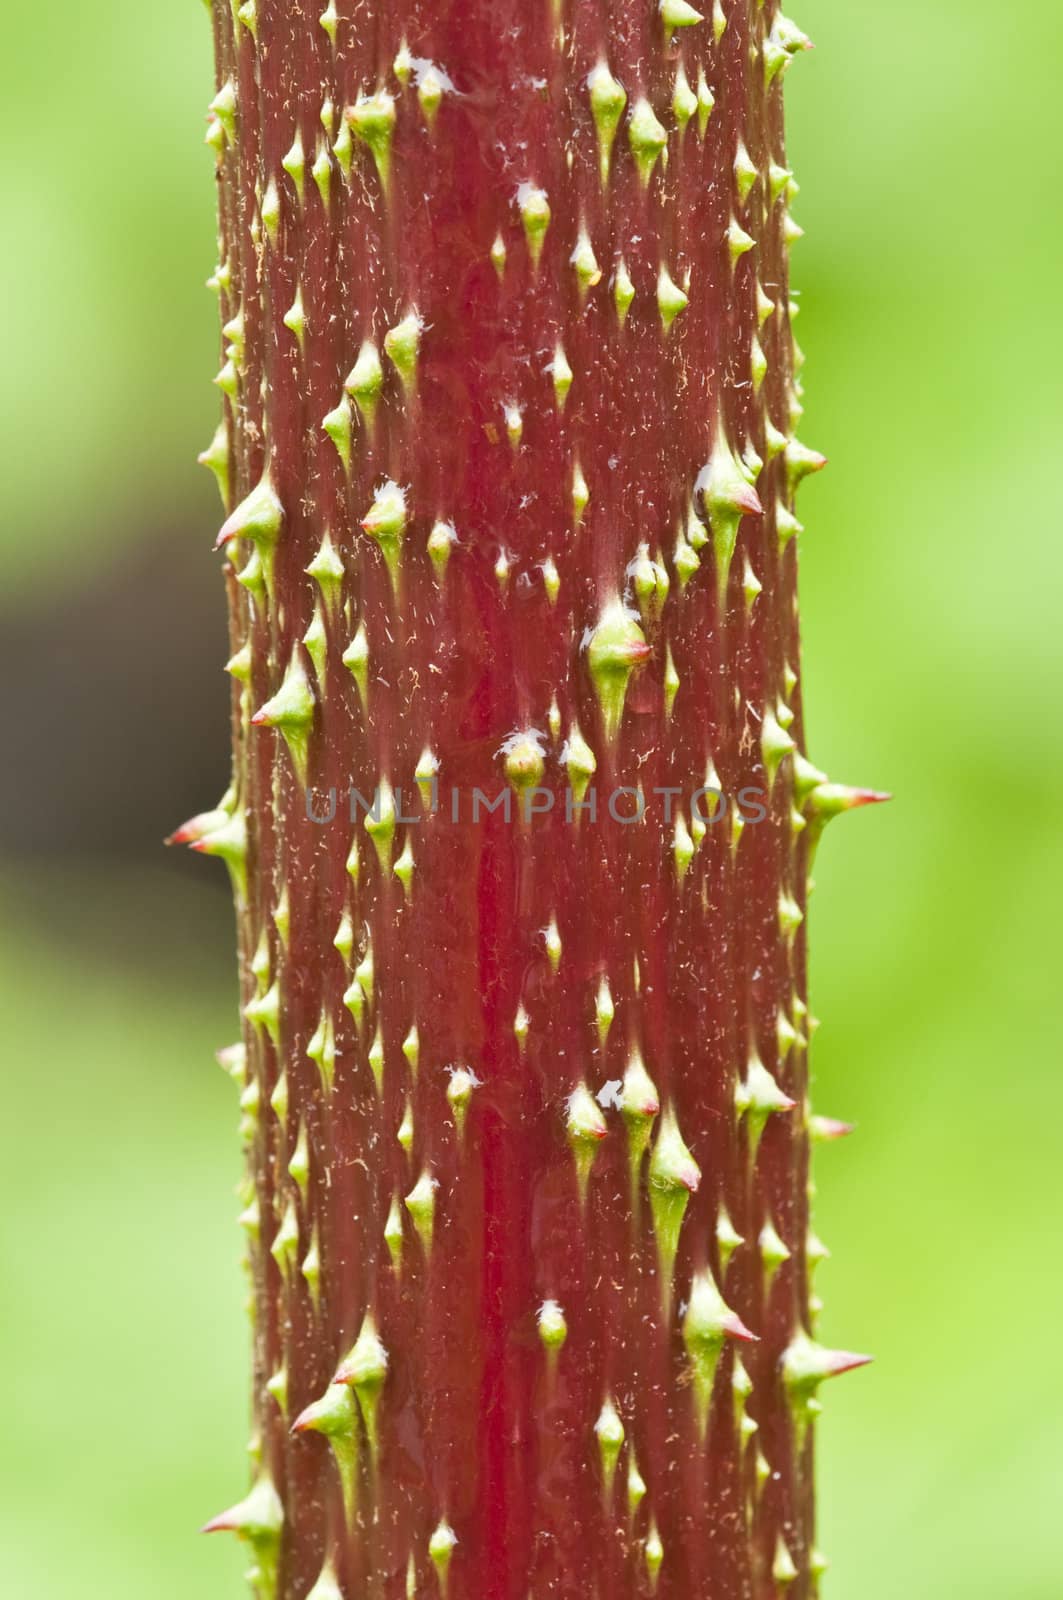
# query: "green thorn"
[790,917]
[259,517]
[745,172]
[402,343]
[329,20]
[294,164]
[343,148]
[393,1232]
[534,210]
[727,496]
[375,1058]
[523,763]
[553,1329]
[757,1097]
[402,66]
[580,763]
[223,108]
[636,1485]
[738,242]
[583,258]
[585,1127]
[285,1246]
[228,379]
[615,648]
[783,1571]
[441,542]
[728,1239]
[258,1520]
[783,42]
[653,1552]
[801,462]
[580,494]
[647,137]
[421,1204]
[338,425]
[430,94]
[385,521]
[459,1093]
[562,375]
[365,380]
[327,1585]
[608,100]
[706,102]
[356,659]
[321,172]
[365,1370]
[678,14]
[326,569]
[775,745]
[773,1252]
[278,1100]
[707,1324]
[311,1270]
[300,1164]
[441,1549]
[322,1050]
[805,1365]
[609,1431]
[403,868]
[372,120]
[685,559]
[264,1011]
[682,848]
[673,1177]
[292,711]
[684,100]
[216,458]
[671,682]
[639,1105]
[671,299]
[623,291]
[778,180]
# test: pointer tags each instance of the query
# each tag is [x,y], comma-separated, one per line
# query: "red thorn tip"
[749,502]
[258,719]
[736,1328]
[223,1523]
[303,1422]
[871,797]
[193,829]
[832,1128]
[847,1361]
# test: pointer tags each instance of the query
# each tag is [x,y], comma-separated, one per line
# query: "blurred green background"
[924,138]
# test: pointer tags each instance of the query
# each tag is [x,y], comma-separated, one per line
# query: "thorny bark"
[509,398]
